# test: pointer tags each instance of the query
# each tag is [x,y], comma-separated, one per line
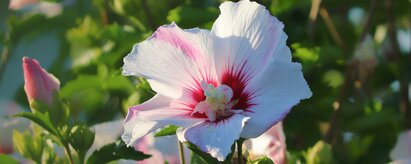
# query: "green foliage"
[93,37]
[321,152]
[7,159]
[43,120]
[262,160]
[29,146]
[333,78]
[189,17]
[199,157]
[81,138]
[115,151]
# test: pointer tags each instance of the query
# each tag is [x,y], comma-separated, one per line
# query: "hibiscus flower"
[236,80]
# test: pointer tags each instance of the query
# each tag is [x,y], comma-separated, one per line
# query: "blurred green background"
[355,56]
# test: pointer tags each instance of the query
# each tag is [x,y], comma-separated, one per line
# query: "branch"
[148,14]
[392,32]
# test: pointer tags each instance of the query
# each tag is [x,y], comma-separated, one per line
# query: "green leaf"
[58,112]
[115,151]
[321,152]
[7,159]
[188,17]
[262,160]
[28,145]
[333,78]
[201,157]
[40,119]
[169,130]
[306,54]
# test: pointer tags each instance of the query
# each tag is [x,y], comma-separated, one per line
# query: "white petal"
[277,90]
[402,149]
[172,59]
[248,38]
[214,138]
[106,133]
[153,114]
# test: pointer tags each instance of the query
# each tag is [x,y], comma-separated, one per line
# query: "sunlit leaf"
[321,152]
[333,78]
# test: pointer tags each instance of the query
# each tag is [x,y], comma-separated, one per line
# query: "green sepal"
[81,138]
[58,111]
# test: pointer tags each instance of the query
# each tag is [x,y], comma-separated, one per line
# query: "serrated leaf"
[169,130]
[205,157]
[115,151]
[202,155]
[40,119]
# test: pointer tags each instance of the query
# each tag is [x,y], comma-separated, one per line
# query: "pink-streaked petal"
[155,113]
[173,60]
[271,144]
[276,91]
[248,38]
[402,149]
[214,138]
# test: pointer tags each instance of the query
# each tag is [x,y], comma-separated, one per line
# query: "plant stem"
[405,106]
[331,27]
[68,151]
[181,152]
[149,17]
[81,156]
[240,150]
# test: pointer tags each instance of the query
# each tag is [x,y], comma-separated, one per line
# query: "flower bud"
[81,138]
[38,84]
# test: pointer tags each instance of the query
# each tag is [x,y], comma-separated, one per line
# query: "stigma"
[217,104]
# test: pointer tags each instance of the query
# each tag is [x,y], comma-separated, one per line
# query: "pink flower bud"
[38,84]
